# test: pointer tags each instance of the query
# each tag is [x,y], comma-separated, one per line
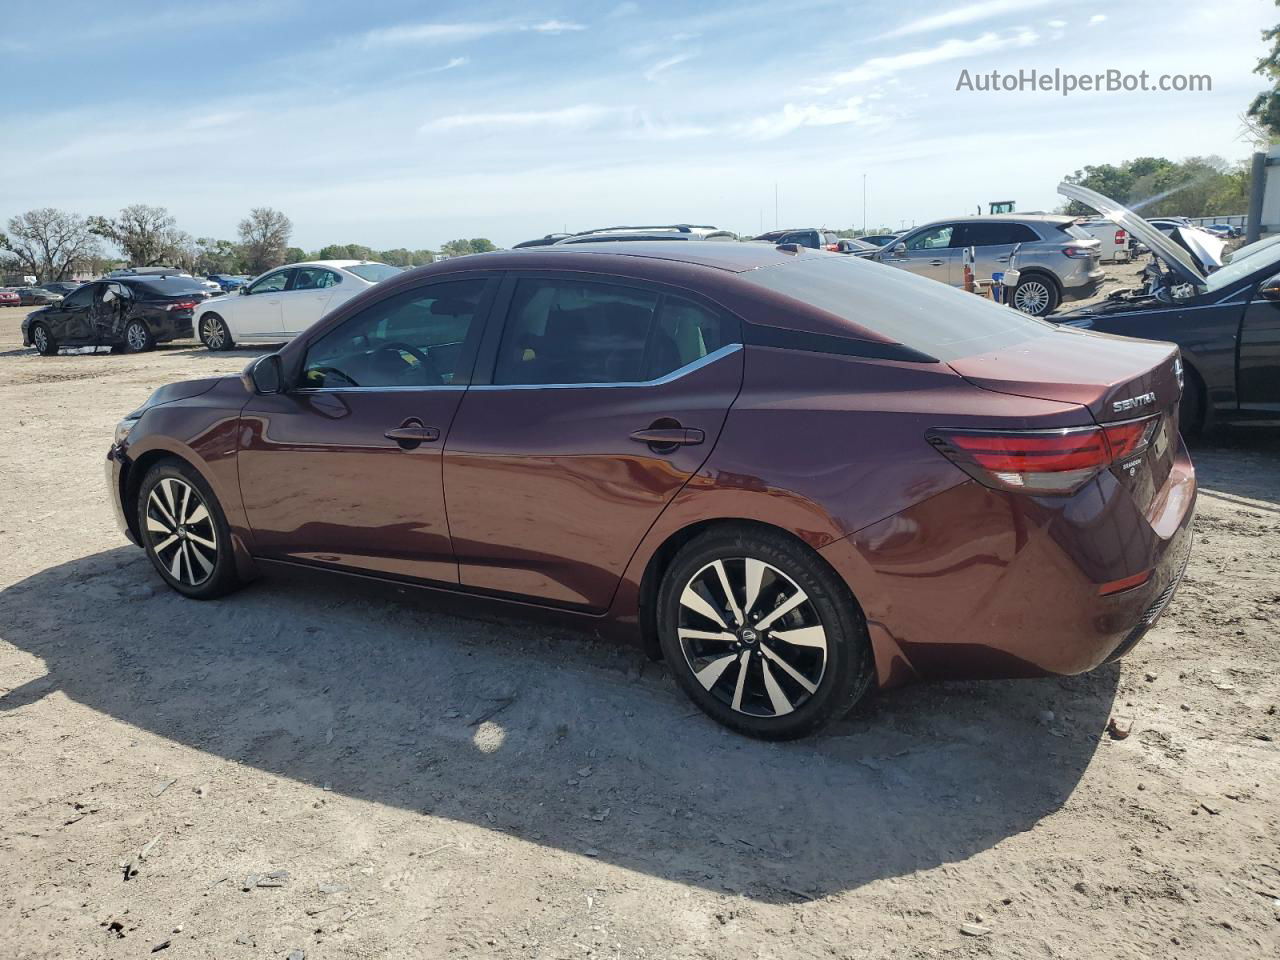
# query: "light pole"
[864,204]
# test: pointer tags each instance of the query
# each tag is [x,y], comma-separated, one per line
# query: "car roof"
[728,256]
[329,263]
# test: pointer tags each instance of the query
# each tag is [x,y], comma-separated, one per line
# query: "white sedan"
[283,302]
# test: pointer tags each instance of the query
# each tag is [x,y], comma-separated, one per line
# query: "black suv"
[815,238]
[128,314]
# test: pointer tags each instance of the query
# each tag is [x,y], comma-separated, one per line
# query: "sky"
[404,124]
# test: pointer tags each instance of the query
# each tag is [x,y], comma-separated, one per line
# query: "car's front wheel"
[185,532]
[761,634]
[214,333]
[1035,295]
[138,337]
[43,340]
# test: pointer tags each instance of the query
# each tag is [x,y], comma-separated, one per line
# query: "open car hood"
[1167,249]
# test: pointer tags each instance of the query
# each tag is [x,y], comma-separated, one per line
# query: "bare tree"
[48,243]
[264,238]
[147,236]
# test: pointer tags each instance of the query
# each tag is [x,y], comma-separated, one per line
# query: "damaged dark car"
[127,314]
[1225,317]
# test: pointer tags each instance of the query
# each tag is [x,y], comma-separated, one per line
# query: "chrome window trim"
[407,389]
[727,350]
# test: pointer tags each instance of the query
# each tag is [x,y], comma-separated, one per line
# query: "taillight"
[1077,253]
[1042,461]
[182,305]
[833,247]
[1121,237]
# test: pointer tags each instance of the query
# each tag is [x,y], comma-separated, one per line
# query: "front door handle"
[669,436]
[411,434]
[936,263]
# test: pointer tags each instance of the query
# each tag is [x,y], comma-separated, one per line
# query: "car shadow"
[200,351]
[552,736]
[1240,465]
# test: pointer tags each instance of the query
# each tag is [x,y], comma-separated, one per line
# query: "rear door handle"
[669,436]
[936,263]
[410,435]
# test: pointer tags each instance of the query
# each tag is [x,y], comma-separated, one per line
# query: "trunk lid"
[1116,379]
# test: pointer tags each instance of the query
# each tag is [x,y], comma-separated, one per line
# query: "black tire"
[43,340]
[1036,295]
[1191,408]
[835,675]
[138,337]
[214,333]
[176,536]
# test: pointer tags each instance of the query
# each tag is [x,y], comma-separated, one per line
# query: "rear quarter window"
[921,313]
[166,286]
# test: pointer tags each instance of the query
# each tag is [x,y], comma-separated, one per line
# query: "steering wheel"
[399,348]
[331,372]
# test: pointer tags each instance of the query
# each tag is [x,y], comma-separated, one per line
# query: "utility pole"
[775,204]
[864,204]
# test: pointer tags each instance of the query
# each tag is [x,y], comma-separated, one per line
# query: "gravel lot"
[326,770]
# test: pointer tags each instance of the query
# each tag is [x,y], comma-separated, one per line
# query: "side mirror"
[264,375]
[242,289]
[1269,289]
[899,250]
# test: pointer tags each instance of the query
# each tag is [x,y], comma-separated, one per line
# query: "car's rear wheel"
[214,333]
[185,532]
[138,337]
[43,340]
[761,634]
[1035,295]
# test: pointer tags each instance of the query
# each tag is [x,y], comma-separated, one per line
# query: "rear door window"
[570,332]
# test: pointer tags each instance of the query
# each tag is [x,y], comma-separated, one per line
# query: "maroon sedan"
[794,474]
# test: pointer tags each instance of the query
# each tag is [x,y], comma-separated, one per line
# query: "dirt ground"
[317,770]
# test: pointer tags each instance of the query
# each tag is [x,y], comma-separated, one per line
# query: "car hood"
[182,390]
[1177,259]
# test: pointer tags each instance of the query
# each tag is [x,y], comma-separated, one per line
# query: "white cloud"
[792,117]
[959,16]
[407,34]
[453,63]
[582,115]
[1097,18]
[663,65]
[879,67]
[1057,24]
[556,26]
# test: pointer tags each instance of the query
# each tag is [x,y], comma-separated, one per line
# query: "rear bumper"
[1091,285]
[974,583]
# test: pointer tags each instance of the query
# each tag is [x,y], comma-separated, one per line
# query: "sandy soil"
[318,770]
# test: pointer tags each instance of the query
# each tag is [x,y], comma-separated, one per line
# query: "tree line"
[1159,187]
[54,244]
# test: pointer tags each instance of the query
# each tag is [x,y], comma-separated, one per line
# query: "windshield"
[1267,255]
[167,286]
[373,272]
[931,317]
[1250,249]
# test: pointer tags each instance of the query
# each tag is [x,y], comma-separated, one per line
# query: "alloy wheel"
[181,532]
[136,336]
[752,637]
[215,337]
[40,338]
[1031,297]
